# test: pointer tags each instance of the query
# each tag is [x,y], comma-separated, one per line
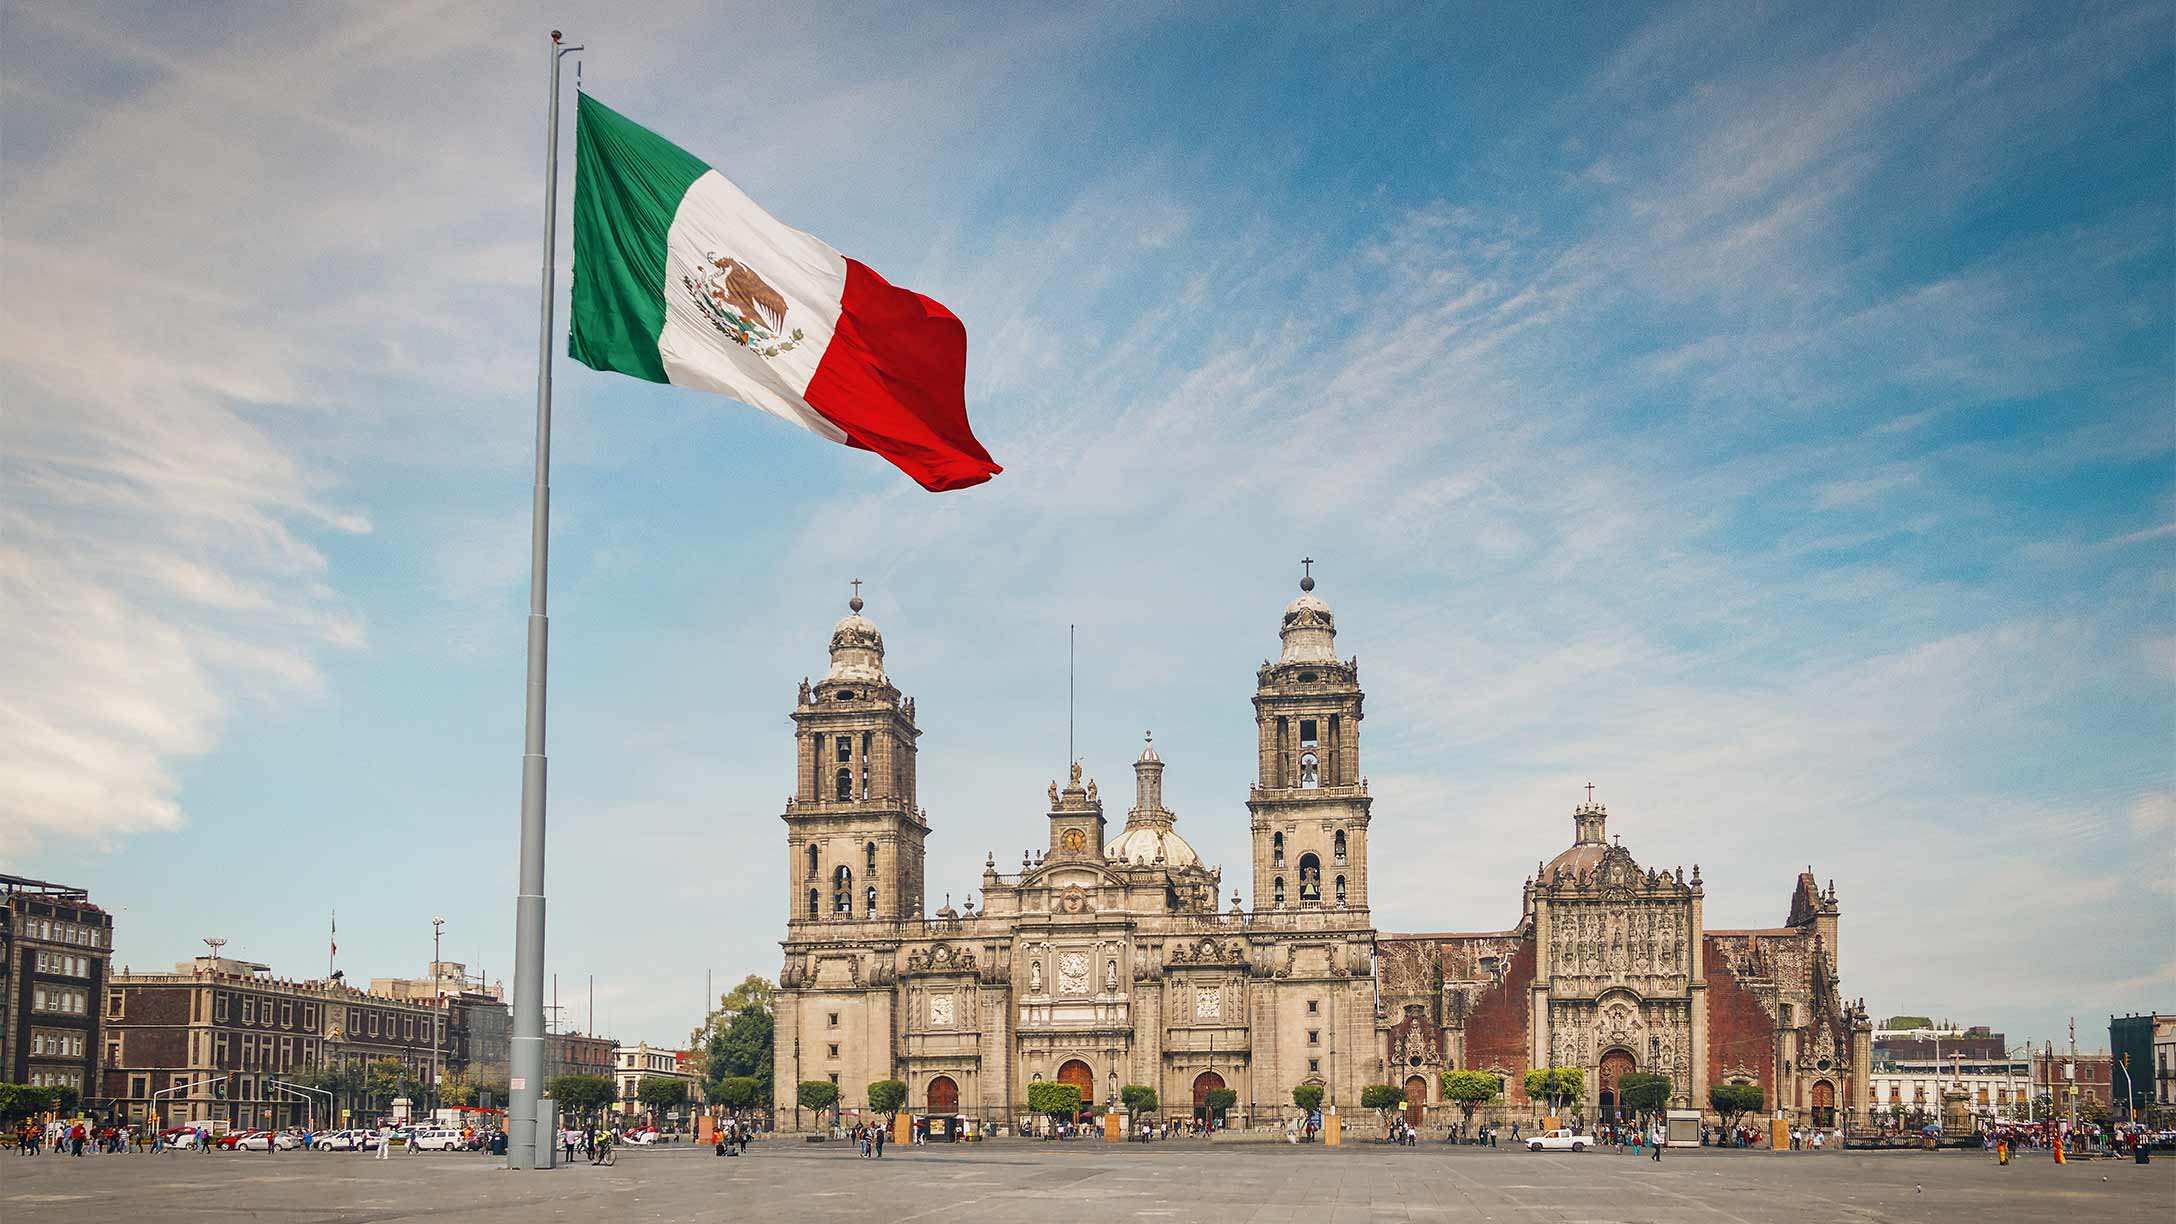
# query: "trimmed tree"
[817,1095]
[661,1091]
[1308,1097]
[1382,1098]
[886,1096]
[1057,1101]
[1139,1098]
[1734,1101]
[1556,1087]
[738,1091]
[1220,1101]
[583,1095]
[1469,1090]
[1643,1093]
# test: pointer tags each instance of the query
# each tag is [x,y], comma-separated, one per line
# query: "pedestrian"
[385,1143]
[1656,1144]
[880,1143]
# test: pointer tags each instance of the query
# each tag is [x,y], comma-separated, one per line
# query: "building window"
[1310,771]
[1277,886]
[1276,849]
[814,905]
[872,901]
[1314,1036]
[834,1077]
[1307,733]
[843,784]
[287,1015]
[831,1020]
[1337,846]
[813,869]
[1310,879]
[1341,890]
[833,1049]
[249,1009]
[842,891]
[846,748]
[114,1005]
[1313,1006]
[1314,1066]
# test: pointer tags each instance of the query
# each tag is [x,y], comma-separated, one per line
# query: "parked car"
[1560,1141]
[340,1141]
[643,1137]
[178,1136]
[436,1139]
[259,1141]
[227,1141]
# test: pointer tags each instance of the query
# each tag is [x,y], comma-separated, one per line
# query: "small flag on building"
[680,278]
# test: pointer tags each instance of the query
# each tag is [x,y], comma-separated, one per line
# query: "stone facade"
[1105,961]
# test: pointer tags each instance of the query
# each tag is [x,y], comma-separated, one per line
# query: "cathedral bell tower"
[853,831]
[1309,802]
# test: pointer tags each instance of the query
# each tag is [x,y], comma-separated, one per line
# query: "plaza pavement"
[1049,1183]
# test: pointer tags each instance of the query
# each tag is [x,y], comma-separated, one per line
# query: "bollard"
[547,1133]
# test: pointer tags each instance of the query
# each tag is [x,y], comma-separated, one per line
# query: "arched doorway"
[1615,1066]
[1204,1084]
[1824,1104]
[944,1095]
[1416,1100]
[1076,1073]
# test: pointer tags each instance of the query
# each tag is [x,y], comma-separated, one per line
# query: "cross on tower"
[1307,567]
[1590,794]
[857,588]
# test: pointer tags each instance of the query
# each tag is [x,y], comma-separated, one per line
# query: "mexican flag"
[680,278]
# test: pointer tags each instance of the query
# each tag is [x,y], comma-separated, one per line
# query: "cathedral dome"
[1309,630]
[1145,843]
[857,649]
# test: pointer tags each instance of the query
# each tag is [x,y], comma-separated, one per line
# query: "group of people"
[65,1138]
[592,1142]
[731,1138]
[869,1139]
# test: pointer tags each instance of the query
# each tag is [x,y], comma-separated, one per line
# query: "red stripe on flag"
[895,380]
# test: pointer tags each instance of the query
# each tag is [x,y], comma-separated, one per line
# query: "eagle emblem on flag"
[741,304]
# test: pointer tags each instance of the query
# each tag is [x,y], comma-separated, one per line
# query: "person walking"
[385,1143]
[1655,1142]
[880,1143]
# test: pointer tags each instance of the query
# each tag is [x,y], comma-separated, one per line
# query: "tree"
[817,1095]
[1308,1097]
[736,1092]
[1053,1098]
[886,1096]
[582,1095]
[1908,1022]
[726,1052]
[661,1091]
[1469,1090]
[1643,1093]
[1558,1087]
[384,1079]
[1220,1101]
[19,1101]
[1734,1101]
[1382,1098]
[65,1099]
[1139,1098]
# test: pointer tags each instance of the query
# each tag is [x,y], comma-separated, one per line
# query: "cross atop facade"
[1590,794]
[857,587]
[1307,567]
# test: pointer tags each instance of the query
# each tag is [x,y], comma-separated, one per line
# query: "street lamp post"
[438,1006]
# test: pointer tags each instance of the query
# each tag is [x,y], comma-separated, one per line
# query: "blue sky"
[1765,414]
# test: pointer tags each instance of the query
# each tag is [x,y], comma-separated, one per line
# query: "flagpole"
[526,1072]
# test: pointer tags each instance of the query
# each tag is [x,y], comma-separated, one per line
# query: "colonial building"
[56,950]
[1104,960]
[632,1064]
[223,1040]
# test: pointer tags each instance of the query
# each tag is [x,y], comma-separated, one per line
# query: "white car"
[343,1141]
[435,1139]
[641,1138]
[1559,1141]
[258,1141]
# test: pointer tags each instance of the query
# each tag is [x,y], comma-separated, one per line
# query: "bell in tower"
[1309,802]
[854,831]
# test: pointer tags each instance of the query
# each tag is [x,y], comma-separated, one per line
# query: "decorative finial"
[854,604]
[1307,574]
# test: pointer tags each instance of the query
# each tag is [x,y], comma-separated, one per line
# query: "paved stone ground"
[1047,1183]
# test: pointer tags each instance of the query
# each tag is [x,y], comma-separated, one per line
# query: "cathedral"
[1111,958]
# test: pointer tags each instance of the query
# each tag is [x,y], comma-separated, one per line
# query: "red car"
[227,1141]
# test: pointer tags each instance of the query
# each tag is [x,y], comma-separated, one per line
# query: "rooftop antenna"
[1069,758]
[215,945]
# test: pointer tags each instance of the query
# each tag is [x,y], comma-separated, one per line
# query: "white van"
[436,1140]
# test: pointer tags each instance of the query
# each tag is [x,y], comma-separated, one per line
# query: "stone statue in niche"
[1035,976]
[1110,975]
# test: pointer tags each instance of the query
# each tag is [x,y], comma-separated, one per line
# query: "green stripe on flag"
[628,183]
